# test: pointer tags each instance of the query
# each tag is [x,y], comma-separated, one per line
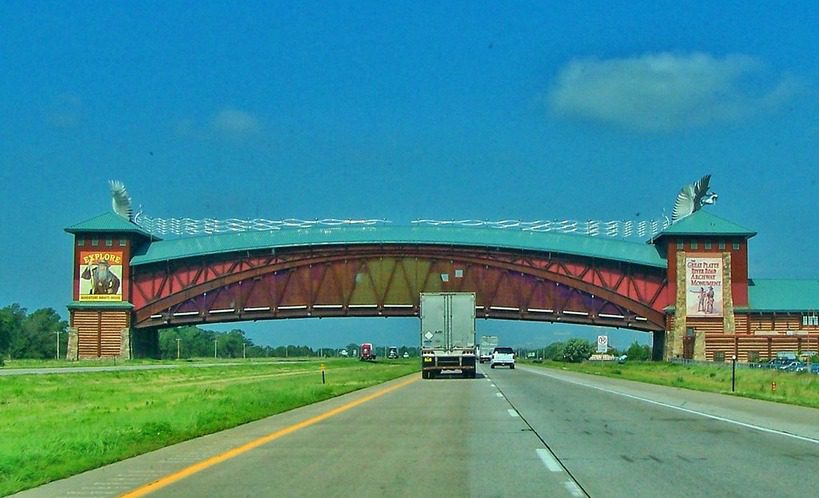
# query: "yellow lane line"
[232,453]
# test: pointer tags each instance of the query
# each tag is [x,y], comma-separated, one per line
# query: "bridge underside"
[385,280]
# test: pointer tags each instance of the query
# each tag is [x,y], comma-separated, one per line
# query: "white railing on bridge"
[182,227]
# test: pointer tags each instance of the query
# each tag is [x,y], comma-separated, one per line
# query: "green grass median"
[792,388]
[56,425]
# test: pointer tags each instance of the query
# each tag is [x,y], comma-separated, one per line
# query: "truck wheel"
[491,366]
[512,367]
[424,374]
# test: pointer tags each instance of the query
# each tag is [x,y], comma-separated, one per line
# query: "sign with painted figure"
[100,276]
[703,282]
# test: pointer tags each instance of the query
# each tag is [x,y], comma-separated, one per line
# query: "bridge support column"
[145,343]
[658,345]
[73,349]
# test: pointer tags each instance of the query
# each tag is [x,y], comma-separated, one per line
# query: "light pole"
[244,356]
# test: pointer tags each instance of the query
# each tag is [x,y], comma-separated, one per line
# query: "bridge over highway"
[688,284]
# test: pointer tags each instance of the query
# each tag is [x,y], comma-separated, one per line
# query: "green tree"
[11,327]
[554,351]
[636,352]
[40,332]
[577,350]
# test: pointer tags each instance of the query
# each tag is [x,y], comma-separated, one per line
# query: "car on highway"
[502,356]
[393,353]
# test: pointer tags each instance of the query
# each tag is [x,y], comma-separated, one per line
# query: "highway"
[522,432]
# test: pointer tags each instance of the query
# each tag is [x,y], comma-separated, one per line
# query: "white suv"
[502,356]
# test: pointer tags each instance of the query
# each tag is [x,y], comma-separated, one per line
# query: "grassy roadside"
[54,426]
[791,388]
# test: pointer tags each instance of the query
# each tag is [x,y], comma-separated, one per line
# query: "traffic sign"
[602,343]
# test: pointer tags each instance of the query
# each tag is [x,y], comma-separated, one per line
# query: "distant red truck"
[367,352]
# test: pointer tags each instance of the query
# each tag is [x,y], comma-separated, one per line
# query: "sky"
[404,110]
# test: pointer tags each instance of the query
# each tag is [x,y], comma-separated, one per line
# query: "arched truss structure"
[386,279]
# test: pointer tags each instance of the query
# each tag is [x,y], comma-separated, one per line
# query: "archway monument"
[685,279]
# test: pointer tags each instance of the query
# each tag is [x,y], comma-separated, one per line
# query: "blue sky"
[492,110]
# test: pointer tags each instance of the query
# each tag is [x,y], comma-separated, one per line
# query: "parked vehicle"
[502,357]
[367,352]
[791,366]
[447,333]
[488,343]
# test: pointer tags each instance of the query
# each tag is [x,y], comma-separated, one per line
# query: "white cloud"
[662,92]
[235,122]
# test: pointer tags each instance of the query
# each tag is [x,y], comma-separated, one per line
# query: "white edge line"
[548,460]
[686,410]
[573,488]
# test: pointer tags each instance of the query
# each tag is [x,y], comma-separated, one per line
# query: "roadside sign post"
[322,373]
[602,346]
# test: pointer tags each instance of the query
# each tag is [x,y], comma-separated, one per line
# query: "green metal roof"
[580,245]
[704,223]
[108,223]
[783,295]
[121,305]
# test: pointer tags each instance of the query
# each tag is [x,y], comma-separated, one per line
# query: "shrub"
[577,350]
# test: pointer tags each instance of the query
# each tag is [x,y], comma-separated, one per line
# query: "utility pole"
[244,356]
[215,341]
[178,340]
[58,345]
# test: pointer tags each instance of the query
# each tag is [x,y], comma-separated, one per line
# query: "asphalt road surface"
[523,432]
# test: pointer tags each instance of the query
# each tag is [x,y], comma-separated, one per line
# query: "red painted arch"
[385,280]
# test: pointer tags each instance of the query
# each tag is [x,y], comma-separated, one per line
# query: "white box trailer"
[447,333]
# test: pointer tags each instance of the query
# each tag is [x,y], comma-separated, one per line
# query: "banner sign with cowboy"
[100,276]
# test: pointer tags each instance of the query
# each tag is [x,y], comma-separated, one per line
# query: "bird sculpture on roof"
[120,200]
[692,197]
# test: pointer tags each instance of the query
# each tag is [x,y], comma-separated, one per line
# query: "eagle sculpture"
[692,197]
[120,200]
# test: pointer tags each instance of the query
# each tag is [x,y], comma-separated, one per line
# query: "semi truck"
[367,352]
[447,333]
[488,343]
